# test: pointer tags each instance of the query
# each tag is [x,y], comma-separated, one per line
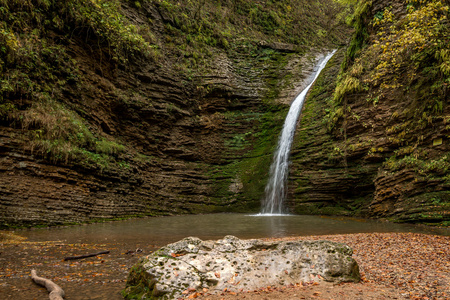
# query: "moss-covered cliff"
[376,141]
[111,109]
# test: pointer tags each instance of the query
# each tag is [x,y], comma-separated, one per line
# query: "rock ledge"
[237,265]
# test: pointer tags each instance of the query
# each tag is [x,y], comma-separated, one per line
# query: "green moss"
[61,136]
[238,141]
[319,154]
[431,208]
[431,168]
[139,284]
[360,37]
[244,175]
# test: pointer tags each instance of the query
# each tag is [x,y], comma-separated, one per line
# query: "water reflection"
[274,224]
[163,230]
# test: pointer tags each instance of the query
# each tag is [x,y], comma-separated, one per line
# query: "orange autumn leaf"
[194,295]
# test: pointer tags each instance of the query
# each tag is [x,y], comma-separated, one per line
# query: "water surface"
[104,276]
[162,230]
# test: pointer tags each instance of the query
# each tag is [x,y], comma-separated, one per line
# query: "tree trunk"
[55,292]
[84,256]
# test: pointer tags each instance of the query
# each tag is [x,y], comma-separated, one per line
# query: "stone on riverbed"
[194,265]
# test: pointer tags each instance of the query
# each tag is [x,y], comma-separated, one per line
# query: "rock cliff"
[113,109]
[376,142]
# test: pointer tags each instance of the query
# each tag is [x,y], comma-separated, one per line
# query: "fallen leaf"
[192,296]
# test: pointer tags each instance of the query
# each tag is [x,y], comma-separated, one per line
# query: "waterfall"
[275,191]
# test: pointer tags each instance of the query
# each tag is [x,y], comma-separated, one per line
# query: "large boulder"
[194,265]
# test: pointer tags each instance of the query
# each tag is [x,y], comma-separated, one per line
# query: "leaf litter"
[392,266]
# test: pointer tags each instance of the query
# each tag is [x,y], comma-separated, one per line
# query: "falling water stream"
[275,191]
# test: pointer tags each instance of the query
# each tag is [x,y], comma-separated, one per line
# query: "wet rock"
[233,264]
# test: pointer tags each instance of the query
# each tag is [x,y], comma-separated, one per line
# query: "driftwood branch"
[84,256]
[55,292]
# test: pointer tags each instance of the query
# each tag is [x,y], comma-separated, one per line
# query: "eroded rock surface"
[233,264]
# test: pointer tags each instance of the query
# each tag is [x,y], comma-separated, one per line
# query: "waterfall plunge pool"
[163,230]
[104,276]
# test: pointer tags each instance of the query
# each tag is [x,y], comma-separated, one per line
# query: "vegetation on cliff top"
[412,61]
[409,52]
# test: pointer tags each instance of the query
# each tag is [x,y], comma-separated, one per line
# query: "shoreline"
[392,266]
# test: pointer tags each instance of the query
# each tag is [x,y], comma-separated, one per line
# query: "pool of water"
[162,230]
[104,276]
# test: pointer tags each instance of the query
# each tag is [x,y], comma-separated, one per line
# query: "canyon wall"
[115,109]
[374,136]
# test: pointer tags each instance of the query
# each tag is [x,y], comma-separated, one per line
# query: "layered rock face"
[91,132]
[376,142]
[177,146]
[186,156]
[192,265]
